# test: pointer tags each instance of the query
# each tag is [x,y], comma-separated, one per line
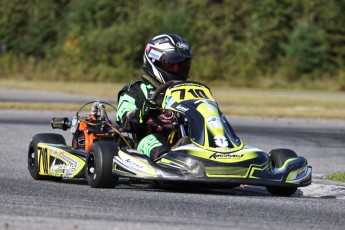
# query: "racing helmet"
[167,57]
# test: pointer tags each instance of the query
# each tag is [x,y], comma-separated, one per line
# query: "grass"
[105,89]
[40,106]
[249,102]
[339,176]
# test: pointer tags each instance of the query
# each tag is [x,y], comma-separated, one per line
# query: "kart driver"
[166,57]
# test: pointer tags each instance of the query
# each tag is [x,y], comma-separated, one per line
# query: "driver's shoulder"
[136,85]
[136,89]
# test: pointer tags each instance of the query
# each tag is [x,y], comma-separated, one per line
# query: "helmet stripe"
[155,70]
[165,35]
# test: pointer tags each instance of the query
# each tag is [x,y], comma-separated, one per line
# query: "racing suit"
[150,138]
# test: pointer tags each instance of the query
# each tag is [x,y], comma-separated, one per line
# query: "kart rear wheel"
[33,164]
[278,157]
[98,165]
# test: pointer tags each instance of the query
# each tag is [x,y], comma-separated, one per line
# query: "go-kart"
[205,151]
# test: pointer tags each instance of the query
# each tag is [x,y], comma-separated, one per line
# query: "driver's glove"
[150,108]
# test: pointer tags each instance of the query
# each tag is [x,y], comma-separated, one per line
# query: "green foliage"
[339,176]
[264,43]
[307,49]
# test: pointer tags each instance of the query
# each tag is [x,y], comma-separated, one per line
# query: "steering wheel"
[162,88]
[91,102]
[103,113]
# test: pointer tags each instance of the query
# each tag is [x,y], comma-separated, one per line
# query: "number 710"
[196,93]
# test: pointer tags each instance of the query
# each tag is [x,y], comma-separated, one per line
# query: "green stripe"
[126,104]
[148,143]
[145,88]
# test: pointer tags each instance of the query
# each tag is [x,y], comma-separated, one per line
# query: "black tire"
[281,190]
[98,165]
[278,157]
[33,166]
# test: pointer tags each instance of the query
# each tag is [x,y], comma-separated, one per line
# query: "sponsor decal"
[133,164]
[226,156]
[214,122]
[126,161]
[182,109]
[154,54]
[221,141]
[57,152]
[182,45]
[68,165]
[61,168]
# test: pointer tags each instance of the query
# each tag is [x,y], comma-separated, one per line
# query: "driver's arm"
[128,113]
[133,107]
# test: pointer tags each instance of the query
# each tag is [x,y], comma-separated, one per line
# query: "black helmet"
[167,57]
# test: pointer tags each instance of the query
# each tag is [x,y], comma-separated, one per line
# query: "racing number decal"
[44,158]
[195,94]
[186,92]
[198,93]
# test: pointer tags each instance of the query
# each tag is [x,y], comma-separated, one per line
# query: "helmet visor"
[177,66]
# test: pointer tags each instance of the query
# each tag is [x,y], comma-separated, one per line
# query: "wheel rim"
[91,166]
[31,158]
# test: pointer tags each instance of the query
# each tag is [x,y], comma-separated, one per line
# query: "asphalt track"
[72,204]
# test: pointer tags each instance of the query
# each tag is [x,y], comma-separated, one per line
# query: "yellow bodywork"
[71,165]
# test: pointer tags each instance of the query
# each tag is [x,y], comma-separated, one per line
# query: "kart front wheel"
[98,166]
[278,157]
[281,190]
[33,163]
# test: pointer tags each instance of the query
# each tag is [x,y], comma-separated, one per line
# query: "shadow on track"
[240,190]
